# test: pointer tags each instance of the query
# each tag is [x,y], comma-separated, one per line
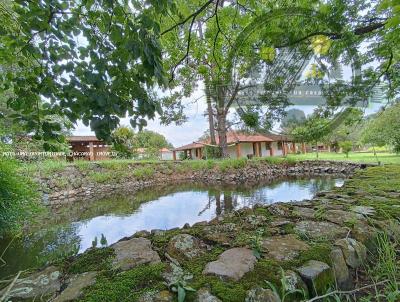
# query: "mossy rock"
[317,275]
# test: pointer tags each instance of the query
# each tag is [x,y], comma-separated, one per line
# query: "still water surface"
[74,228]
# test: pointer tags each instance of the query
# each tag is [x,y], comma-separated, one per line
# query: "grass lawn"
[368,157]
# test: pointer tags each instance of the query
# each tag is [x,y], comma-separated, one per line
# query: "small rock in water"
[232,264]
[133,252]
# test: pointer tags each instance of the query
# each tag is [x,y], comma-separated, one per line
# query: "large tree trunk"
[221,128]
[210,113]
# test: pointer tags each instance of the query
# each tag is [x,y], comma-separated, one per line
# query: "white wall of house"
[277,152]
[167,155]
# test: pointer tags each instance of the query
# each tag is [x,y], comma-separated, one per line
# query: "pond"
[74,228]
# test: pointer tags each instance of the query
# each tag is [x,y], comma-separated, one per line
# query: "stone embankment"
[94,181]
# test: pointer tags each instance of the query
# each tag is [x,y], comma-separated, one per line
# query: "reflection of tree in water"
[320,184]
[228,199]
[36,249]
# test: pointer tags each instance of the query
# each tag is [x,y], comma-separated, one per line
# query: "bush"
[346,146]
[18,196]
[213,152]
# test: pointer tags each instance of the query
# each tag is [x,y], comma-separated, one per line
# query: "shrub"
[346,146]
[18,196]
[143,173]
[232,164]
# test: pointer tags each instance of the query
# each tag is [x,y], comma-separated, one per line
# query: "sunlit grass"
[364,157]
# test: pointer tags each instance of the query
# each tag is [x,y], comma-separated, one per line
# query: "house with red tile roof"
[242,144]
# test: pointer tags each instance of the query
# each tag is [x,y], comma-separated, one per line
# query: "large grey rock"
[38,284]
[283,248]
[221,233]
[317,275]
[340,269]
[341,217]
[279,209]
[204,295]
[262,295]
[232,264]
[133,252]
[320,229]
[303,212]
[364,233]
[76,285]
[185,246]
[354,252]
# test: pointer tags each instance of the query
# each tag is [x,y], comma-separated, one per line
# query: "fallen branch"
[349,292]
[4,297]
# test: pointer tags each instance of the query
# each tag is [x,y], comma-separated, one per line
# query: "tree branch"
[193,15]
[233,96]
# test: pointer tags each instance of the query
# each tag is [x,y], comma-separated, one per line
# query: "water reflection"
[75,228]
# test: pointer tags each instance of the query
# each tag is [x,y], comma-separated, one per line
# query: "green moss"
[97,259]
[125,286]
[319,251]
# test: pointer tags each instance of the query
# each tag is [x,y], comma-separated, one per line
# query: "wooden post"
[238,153]
[190,154]
[283,148]
[294,147]
[174,155]
[257,150]
[271,149]
[303,148]
[200,153]
[91,151]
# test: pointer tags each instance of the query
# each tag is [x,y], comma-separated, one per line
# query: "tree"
[349,128]
[93,60]
[384,128]
[123,141]
[220,51]
[314,129]
[212,34]
[128,143]
[346,146]
[293,117]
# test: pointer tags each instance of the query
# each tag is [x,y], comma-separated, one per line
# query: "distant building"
[91,148]
[241,144]
[164,154]
[88,148]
